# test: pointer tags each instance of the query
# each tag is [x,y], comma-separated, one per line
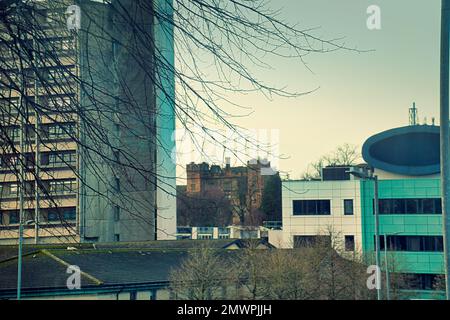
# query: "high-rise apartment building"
[86,114]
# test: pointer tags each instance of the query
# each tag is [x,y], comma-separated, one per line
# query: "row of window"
[421,281]
[47,76]
[386,206]
[56,131]
[48,159]
[410,206]
[319,207]
[61,44]
[47,215]
[394,242]
[54,187]
[412,243]
[50,102]
[311,241]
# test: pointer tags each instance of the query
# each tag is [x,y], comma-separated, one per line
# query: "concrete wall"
[120,69]
[155,294]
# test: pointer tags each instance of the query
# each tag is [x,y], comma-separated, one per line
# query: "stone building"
[242,185]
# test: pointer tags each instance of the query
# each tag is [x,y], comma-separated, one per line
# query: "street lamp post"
[444,137]
[363,174]
[386,266]
[377,234]
[22,110]
[388,285]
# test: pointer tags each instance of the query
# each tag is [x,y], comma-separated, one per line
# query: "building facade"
[230,232]
[406,163]
[93,141]
[243,185]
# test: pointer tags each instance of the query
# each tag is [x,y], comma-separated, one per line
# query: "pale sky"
[360,93]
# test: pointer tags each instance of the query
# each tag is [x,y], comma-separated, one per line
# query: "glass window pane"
[348,206]
[324,207]
[412,206]
[437,206]
[398,206]
[311,207]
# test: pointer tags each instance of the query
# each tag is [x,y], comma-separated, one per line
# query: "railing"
[276,225]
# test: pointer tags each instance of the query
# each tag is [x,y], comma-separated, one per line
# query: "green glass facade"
[401,224]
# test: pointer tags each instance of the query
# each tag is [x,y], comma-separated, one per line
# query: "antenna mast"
[413,115]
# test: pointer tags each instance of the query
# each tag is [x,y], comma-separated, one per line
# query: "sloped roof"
[38,271]
[45,266]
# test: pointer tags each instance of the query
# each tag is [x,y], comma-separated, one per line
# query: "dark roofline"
[155,244]
[88,289]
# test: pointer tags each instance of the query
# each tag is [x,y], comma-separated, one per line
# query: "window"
[63,186]
[117,237]
[428,205]
[58,75]
[70,214]
[59,131]
[412,243]
[66,44]
[13,189]
[41,16]
[53,17]
[348,207]
[418,281]
[115,49]
[11,105]
[410,206]
[59,103]
[58,159]
[227,186]
[349,243]
[53,215]
[14,217]
[12,134]
[311,207]
[8,162]
[116,213]
[116,184]
[116,154]
[398,206]
[61,159]
[311,241]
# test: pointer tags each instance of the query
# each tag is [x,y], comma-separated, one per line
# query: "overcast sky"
[360,94]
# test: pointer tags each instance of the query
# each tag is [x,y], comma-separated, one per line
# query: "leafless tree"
[209,208]
[217,46]
[248,267]
[344,155]
[205,274]
[321,270]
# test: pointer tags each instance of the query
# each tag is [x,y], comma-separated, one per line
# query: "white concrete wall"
[385,175]
[336,191]
[161,294]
